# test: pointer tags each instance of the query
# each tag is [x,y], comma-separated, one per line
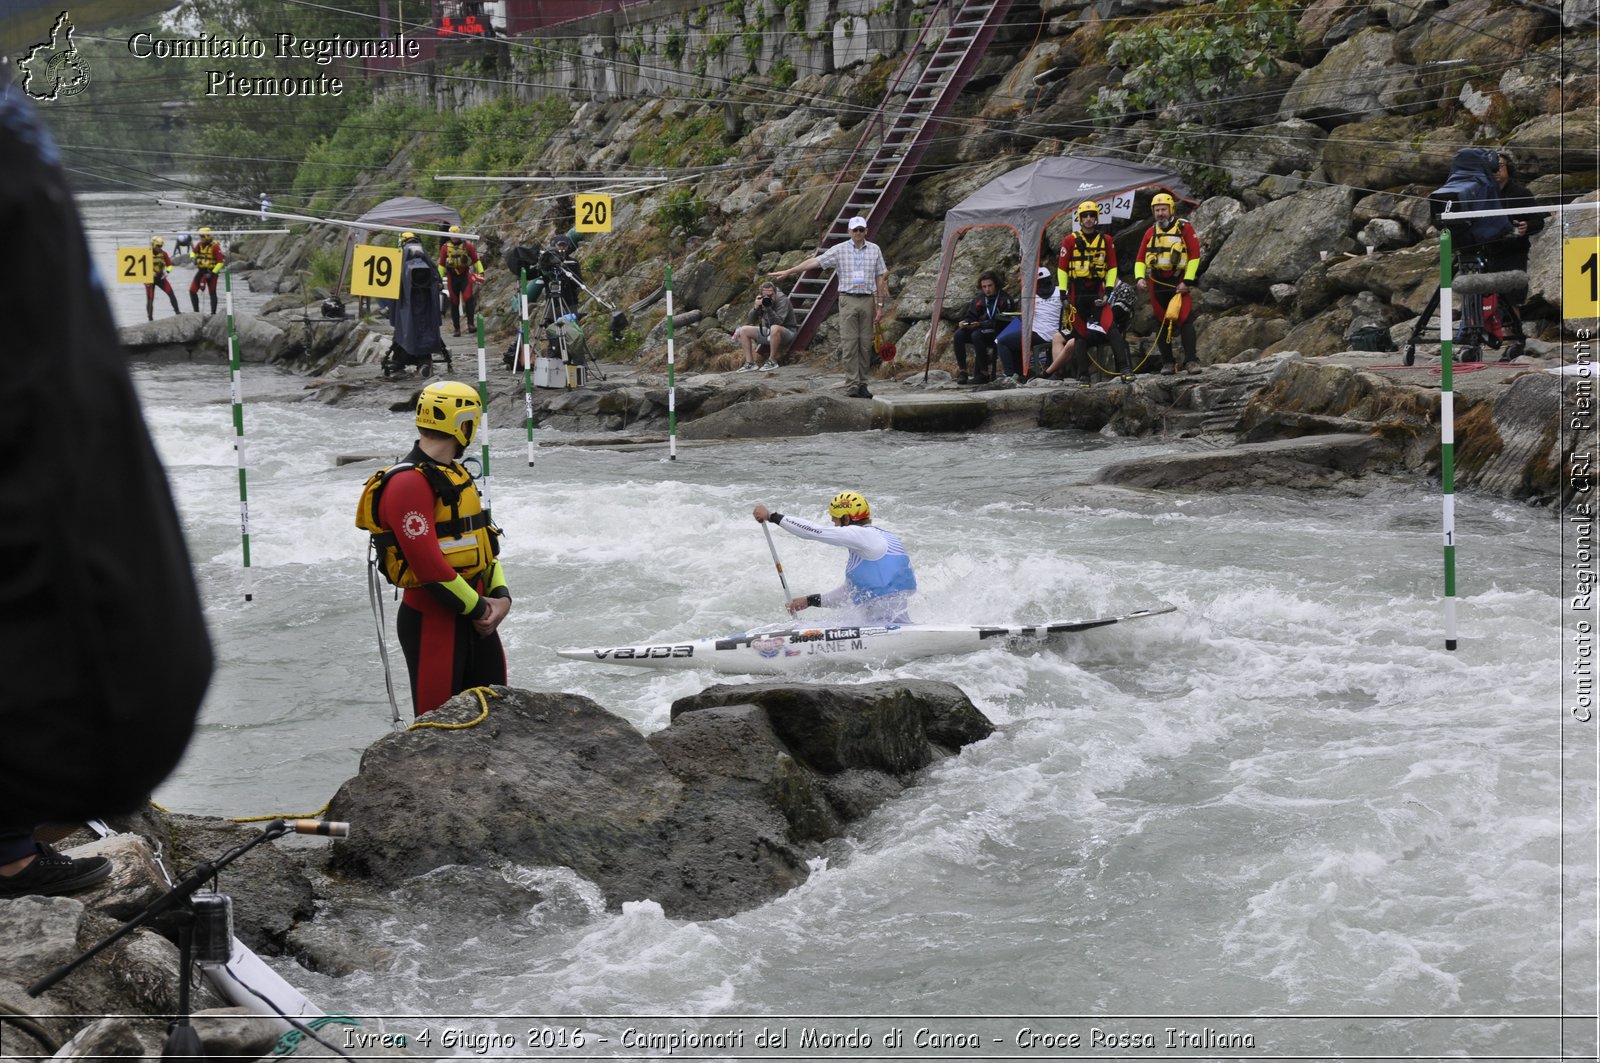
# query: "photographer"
[563,273]
[770,322]
[1510,253]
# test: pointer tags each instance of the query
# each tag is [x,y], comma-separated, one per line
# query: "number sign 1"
[594,212]
[1580,277]
[377,272]
[133,265]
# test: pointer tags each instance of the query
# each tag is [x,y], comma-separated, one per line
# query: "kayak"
[783,649]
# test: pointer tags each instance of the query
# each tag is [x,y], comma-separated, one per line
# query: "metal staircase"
[900,139]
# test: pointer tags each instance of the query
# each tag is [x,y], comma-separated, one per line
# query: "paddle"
[782,579]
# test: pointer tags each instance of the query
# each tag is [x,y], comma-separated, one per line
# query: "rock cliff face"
[1332,150]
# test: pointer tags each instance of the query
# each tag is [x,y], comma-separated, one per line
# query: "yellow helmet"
[851,505]
[1089,206]
[1162,199]
[407,236]
[455,228]
[450,407]
[203,231]
[156,241]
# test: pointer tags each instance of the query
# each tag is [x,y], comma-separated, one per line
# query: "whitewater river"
[1284,812]
[1282,821]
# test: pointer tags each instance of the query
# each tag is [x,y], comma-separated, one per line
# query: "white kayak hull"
[798,649]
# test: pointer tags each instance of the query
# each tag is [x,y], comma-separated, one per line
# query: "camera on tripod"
[1471,186]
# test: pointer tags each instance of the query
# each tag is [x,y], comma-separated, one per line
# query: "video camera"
[1470,186]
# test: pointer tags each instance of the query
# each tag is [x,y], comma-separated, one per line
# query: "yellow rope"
[479,693]
[262,819]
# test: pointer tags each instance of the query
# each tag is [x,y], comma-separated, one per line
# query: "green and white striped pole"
[525,352]
[483,418]
[672,386]
[234,387]
[1447,436]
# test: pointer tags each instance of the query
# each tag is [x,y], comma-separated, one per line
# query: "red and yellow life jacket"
[206,253]
[466,536]
[1088,261]
[1168,249]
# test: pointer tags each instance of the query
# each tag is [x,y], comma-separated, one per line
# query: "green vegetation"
[682,142]
[324,268]
[680,208]
[718,43]
[1189,70]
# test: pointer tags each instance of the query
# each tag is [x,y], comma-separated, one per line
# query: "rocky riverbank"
[716,813]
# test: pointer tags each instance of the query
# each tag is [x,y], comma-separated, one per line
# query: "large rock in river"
[711,815]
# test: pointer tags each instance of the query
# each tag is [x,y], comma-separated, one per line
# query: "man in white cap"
[863,291]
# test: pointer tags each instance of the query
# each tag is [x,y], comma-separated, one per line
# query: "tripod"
[1477,329]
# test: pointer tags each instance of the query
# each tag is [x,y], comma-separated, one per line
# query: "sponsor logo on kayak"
[631,653]
[808,635]
[837,634]
[767,647]
[839,646]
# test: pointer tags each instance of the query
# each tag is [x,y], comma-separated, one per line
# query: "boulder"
[1345,85]
[706,818]
[1280,241]
[1509,445]
[1222,338]
[1319,461]
[1556,143]
[171,338]
[809,414]
[269,887]
[1293,144]
[1477,33]
[1391,150]
[1402,13]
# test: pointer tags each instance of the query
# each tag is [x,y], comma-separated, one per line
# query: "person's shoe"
[458,332]
[1194,367]
[748,367]
[1473,353]
[961,378]
[1513,352]
[862,392]
[770,366]
[1166,369]
[1083,381]
[51,874]
[1127,378]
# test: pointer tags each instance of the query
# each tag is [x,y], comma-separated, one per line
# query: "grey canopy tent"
[1027,200]
[406,211]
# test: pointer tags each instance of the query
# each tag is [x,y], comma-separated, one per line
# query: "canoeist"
[878,581]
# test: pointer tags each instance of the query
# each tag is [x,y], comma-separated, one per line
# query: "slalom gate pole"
[672,386]
[525,351]
[483,418]
[234,386]
[1447,435]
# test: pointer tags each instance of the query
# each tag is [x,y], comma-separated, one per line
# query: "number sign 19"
[376,272]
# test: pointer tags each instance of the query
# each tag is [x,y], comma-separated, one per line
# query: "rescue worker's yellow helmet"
[1089,206]
[203,231]
[455,228]
[1161,199]
[156,241]
[450,407]
[849,504]
[407,236]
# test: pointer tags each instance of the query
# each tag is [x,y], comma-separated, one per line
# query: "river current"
[1284,813]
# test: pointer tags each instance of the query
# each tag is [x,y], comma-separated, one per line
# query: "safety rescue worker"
[208,261]
[433,538]
[160,264]
[462,272]
[878,580]
[1167,262]
[1086,270]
